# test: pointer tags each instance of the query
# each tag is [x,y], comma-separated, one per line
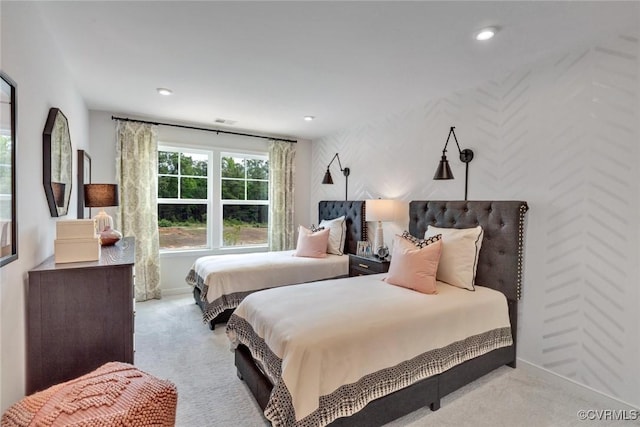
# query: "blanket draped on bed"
[331,348]
[224,280]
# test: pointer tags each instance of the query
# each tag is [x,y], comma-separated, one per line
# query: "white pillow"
[459,258]
[337,234]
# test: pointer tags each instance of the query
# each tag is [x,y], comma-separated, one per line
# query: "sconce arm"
[466,155]
[345,171]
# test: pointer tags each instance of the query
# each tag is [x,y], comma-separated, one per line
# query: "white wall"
[563,135]
[43,81]
[175,266]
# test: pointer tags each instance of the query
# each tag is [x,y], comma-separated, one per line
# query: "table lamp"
[101,196]
[380,210]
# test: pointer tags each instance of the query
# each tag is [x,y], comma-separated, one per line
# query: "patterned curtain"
[281,173]
[136,171]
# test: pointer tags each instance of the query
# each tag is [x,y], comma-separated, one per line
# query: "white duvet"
[228,274]
[322,336]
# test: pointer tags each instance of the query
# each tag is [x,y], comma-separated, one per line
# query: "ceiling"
[266,65]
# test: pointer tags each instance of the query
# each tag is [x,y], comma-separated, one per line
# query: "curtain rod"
[125,119]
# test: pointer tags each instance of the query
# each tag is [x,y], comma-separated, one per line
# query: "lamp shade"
[380,210]
[327,178]
[444,170]
[100,195]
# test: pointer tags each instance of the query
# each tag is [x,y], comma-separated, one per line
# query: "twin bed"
[221,282]
[359,351]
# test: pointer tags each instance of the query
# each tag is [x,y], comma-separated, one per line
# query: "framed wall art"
[84,177]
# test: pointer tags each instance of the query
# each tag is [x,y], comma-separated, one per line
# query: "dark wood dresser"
[80,315]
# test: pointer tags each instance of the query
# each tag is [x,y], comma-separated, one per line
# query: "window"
[183,198]
[244,184]
[193,213]
[5,179]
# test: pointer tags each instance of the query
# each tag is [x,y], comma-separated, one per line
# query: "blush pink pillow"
[310,244]
[413,267]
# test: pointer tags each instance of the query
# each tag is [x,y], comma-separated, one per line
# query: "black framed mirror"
[8,211]
[57,162]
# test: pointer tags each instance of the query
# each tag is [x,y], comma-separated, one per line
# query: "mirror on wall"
[57,162]
[8,213]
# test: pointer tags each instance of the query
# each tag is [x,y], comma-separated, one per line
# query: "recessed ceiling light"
[164,91]
[220,121]
[309,118]
[486,33]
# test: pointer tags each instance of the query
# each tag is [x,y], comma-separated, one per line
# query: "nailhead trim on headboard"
[523,210]
[500,264]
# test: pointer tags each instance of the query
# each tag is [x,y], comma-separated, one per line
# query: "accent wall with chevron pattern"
[562,134]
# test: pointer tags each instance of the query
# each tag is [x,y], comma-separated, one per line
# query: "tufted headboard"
[500,260]
[354,216]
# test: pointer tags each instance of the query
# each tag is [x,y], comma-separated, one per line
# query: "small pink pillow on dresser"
[414,267]
[312,244]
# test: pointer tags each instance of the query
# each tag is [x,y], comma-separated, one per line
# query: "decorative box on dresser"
[80,315]
[359,265]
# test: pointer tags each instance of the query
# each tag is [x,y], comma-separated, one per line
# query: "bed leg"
[512,364]
[239,375]
[434,406]
[212,325]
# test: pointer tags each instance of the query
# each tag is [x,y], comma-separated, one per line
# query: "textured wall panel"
[563,135]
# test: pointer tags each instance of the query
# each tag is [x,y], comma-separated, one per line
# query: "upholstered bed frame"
[354,212]
[499,267]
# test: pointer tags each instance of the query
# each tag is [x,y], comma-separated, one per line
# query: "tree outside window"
[183,193]
[245,199]
[187,198]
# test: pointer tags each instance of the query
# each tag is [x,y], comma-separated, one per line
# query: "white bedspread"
[228,274]
[326,335]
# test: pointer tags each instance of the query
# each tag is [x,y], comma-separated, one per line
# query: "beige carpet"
[173,343]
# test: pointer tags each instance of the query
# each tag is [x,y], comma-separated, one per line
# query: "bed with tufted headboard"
[230,273]
[501,257]
[500,268]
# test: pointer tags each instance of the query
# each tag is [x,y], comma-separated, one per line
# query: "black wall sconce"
[444,170]
[345,171]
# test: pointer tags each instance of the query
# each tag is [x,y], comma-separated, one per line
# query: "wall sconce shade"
[345,171]
[100,195]
[327,178]
[444,170]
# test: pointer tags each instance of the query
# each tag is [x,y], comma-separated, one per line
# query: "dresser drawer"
[359,266]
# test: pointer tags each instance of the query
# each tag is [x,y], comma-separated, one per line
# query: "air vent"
[227,122]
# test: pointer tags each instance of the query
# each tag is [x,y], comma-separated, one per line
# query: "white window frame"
[214,216]
[224,202]
[178,148]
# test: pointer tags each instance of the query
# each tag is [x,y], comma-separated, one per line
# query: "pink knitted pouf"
[115,394]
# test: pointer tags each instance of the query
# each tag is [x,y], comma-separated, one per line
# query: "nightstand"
[359,265]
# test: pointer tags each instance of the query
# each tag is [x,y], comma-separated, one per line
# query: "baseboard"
[574,387]
[185,290]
